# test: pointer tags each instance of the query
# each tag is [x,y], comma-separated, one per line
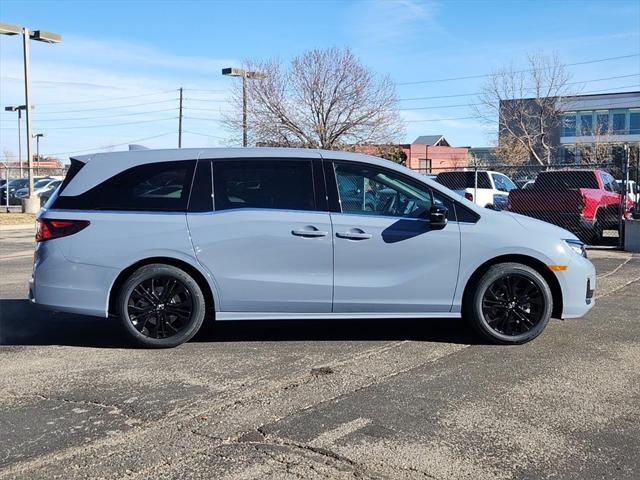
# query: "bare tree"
[323,99]
[526,103]
[509,150]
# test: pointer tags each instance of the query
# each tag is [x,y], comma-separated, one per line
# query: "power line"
[115,107]
[469,77]
[112,124]
[39,120]
[526,89]
[113,146]
[205,135]
[110,99]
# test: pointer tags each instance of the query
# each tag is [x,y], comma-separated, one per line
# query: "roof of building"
[433,140]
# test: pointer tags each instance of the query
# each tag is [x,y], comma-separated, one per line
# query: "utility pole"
[32,203]
[180,121]
[239,72]
[20,140]
[27,102]
[244,109]
[38,136]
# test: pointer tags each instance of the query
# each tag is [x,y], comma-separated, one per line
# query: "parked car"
[585,202]
[46,193]
[14,186]
[38,187]
[266,234]
[484,188]
[633,190]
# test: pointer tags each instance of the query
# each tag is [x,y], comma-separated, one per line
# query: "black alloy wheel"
[513,305]
[161,306]
[510,304]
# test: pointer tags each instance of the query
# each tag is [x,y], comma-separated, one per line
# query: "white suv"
[484,188]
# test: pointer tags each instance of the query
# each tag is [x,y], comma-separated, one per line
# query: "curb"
[10,228]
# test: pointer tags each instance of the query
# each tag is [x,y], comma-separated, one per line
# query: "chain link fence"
[590,201]
[14,180]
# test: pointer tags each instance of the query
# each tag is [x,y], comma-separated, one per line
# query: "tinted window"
[275,184]
[367,190]
[160,186]
[201,199]
[462,180]
[563,180]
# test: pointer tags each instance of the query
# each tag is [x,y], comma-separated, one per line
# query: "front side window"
[162,186]
[367,190]
[270,183]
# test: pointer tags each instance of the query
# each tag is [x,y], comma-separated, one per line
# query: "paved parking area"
[361,399]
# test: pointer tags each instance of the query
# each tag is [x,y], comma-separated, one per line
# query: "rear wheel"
[510,304]
[161,306]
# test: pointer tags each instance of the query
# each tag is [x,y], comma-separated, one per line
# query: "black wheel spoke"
[512,305]
[160,307]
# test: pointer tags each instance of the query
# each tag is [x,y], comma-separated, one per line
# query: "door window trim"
[317,180]
[334,197]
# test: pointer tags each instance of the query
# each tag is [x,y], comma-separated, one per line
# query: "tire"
[502,299]
[161,306]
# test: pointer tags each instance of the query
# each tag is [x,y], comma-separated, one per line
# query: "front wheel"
[510,304]
[161,306]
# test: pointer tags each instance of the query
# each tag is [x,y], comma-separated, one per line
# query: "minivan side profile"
[164,238]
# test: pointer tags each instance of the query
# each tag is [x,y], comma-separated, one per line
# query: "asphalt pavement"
[358,399]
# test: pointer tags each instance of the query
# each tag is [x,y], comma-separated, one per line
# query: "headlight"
[577,246]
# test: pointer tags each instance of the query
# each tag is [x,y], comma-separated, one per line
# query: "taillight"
[49,229]
[468,196]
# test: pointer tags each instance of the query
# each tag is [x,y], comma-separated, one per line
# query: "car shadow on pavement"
[23,324]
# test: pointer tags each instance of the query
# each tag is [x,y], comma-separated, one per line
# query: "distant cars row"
[18,189]
[585,202]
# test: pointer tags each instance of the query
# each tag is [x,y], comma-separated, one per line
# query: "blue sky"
[146,50]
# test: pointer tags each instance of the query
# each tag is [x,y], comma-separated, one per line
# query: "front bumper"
[578,284]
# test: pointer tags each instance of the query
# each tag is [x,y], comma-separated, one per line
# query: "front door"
[268,242]
[387,256]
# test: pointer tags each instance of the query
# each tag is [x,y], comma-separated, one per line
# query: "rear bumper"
[61,285]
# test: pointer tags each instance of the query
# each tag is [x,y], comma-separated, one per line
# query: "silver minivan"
[163,239]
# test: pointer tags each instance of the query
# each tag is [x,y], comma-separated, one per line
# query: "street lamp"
[19,109]
[239,72]
[38,136]
[32,203]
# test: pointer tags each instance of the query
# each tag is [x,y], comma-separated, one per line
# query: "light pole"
[239,72]
[19,109]
[38,136]
[32,203]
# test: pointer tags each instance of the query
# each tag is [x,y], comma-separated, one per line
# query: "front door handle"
[310,232]
[355,234]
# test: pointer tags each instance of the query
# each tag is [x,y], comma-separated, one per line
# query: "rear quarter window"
[162,186]
[565,180]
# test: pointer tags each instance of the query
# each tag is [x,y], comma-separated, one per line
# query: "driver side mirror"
[438,216]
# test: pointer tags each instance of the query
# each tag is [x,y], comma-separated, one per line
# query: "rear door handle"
[354,235]
[309,231]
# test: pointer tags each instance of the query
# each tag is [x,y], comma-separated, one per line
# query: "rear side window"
[162,186]
[273,184]
[462,180]
[565,180]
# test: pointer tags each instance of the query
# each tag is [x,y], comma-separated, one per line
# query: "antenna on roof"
[137,147]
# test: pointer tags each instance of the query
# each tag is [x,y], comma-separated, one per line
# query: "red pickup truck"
[585,202]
